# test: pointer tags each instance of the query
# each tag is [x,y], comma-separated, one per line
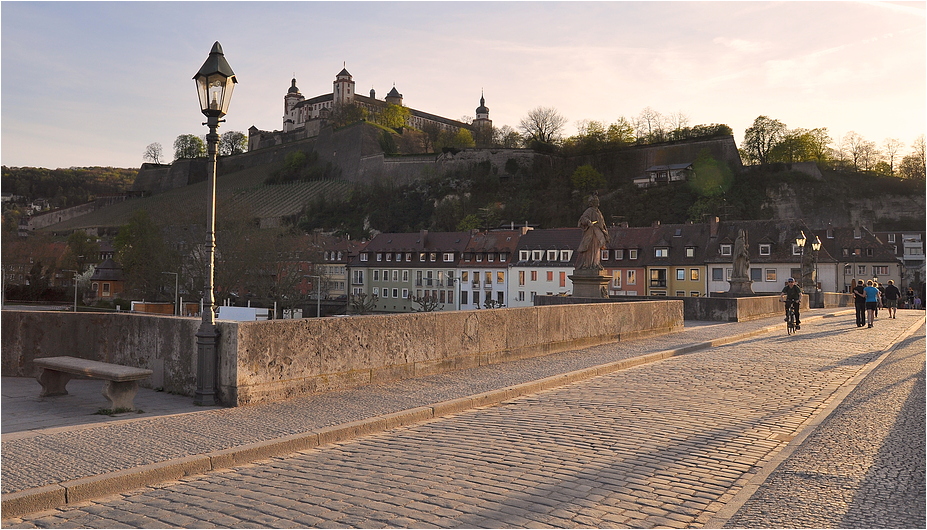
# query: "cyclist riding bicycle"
[791,295]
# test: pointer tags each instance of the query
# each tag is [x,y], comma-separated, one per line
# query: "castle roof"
[482,109]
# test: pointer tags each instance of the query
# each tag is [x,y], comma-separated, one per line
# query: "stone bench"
[121,381]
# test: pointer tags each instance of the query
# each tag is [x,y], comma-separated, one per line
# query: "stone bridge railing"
[273,360]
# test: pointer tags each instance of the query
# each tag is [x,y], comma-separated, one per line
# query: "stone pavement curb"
[730,508]
[79,490]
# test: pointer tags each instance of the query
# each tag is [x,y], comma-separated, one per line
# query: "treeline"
[65,187]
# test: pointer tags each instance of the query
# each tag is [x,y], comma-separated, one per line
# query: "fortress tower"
[343,89]
[482,115]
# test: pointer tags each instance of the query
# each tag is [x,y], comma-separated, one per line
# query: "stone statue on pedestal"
[740,278]
[589,277]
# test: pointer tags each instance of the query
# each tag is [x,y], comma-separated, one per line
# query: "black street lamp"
[800,242]
[816,247]
[214,85]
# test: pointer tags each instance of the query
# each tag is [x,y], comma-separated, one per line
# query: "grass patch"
[113,412]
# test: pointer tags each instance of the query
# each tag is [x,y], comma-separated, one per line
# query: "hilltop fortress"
[305,118]
[355,146]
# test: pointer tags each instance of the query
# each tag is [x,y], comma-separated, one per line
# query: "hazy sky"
[92,84]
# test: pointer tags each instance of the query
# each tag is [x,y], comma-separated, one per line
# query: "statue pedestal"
[590,283]
[740,286]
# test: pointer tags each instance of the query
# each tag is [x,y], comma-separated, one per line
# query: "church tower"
[482,115]
[394,97]
[343,89]
[290,100]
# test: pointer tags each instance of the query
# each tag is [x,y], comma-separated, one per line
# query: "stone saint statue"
[741,257]
[595,237]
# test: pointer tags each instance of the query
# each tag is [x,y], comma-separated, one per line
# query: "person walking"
[872,301]
[892,294]
[791,294]
[859,299]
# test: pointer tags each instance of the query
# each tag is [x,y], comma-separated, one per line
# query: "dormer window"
[619,254]
[604,254]
[551,255]
[765,249]
[661,252]
[523,255]
[726,249]
[690,252]
[565,255]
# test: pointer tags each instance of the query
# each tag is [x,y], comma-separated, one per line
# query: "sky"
[94,83]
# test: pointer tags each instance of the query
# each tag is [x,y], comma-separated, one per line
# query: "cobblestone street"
[671,444]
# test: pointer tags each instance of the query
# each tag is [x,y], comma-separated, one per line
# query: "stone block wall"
[280,359]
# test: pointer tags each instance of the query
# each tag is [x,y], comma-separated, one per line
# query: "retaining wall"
[721,309]
[274,360]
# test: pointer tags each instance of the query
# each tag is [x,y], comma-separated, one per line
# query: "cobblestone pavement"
[864,466]
[667,444]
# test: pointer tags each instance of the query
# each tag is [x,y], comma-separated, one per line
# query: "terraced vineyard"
[243,191]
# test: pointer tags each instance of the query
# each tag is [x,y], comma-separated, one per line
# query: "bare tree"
[362,304]
[543,124]
[891,147]
[426,304]
[153,153]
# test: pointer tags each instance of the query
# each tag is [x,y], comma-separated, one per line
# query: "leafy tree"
[620,133]
[542,124]
[82,249]
[506,137]
[760,139]
[348,114]
[233,143]
[189,146]
[144,256]
[153,153]
[913,166]
[586,178]
[393,116]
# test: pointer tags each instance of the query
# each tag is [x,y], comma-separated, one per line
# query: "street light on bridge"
[215,82]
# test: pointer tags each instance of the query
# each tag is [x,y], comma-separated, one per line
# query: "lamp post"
[816,247]
[318,296]
[176,291]
[800,241]
[215,82]
[76,273]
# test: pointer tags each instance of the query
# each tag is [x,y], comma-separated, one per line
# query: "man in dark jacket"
[859,299]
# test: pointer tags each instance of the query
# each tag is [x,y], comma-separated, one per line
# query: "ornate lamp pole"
[816,247]
[800,241]
[214,84]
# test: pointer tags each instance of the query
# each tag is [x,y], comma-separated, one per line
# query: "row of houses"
[464,270]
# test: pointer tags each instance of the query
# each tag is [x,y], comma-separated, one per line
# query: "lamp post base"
[206,346]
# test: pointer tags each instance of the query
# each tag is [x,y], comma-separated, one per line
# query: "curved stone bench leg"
[53,382]
[121,394]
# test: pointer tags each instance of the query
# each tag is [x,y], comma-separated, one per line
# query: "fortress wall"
[279,359]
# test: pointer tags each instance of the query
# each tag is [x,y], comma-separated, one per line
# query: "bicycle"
[790,325]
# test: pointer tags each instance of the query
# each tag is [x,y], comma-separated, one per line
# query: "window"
[379,256]
[680,293]
[106,288]
[891,238]
[861,270]
[433,256]
[357,277]
[421,257]
[693,275]
[765,249]
[521,279]
[385,276]
[690,252]
[550,276]
[658,278]
[537,255]
[405,293]
[405,276]
[603,255]
[848,269]
[562,279]
[465,276]
[717,274]
[503,256]
[395,292]
[680,274]
[448,257]
[796,250]
[756,274]
[877,270]
[551,255]
[534,276]
[521,296]
[389,256]
[408,256]
[487,277]
[491,256]
[376,276]
[396,276]
[619,254]
[523,255]
[363,256]
[661,252]
[616,280]
[479,257]
[632,278]
[726,250]
[694,293]
[869,252]
[376,292]
[500,276]
[632,253]
[464,297]
[565,255]
[770,275]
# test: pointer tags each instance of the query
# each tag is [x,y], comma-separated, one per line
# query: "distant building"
[304,117]
[657,175]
